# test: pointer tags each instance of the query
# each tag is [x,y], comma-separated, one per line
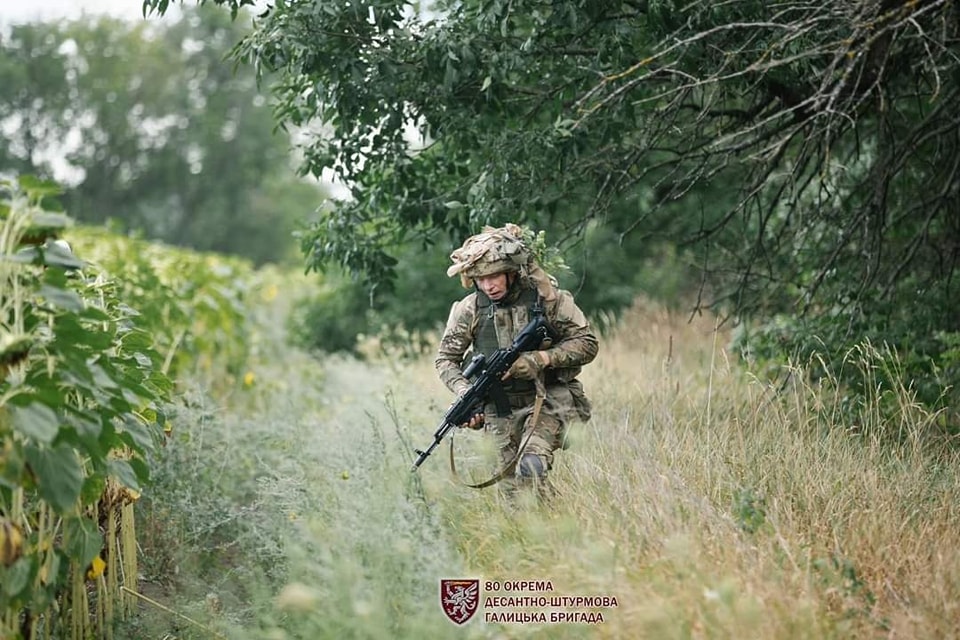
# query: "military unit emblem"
[459,599]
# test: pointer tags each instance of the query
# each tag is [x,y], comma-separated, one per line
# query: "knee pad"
[531,466]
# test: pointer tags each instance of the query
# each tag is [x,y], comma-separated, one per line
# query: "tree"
[34,109]
[819,119]
[158,131]
[807,151]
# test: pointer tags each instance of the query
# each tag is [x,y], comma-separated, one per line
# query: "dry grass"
[709,504]
[714,506]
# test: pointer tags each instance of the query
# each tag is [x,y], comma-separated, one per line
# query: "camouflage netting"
[499,250]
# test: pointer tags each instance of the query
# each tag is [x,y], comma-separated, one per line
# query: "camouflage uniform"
[479,324]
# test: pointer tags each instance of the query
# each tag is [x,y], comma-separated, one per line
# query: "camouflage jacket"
[574,344]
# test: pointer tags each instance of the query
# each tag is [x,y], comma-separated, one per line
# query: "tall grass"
[286,510]
[708,503]
[713,505]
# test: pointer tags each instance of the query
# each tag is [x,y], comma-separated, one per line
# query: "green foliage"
[454,82]
[840,575]
[749,509]
[91,333]
[331,320]
[607,273]
[785,149]
[268,503]
[488,88]
[547,256]
[80,402]
[193,304]
[402,316]
[293,506]
[914,345]
[406,315]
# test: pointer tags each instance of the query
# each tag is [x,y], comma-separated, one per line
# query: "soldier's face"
[494,285]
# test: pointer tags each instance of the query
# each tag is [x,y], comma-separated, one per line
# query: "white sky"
[14,11]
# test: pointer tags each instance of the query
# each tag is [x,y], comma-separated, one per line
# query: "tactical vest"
[497,325]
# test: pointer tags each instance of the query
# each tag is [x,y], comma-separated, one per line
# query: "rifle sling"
[510,466]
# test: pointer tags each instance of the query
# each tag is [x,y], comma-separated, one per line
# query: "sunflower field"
[89,349]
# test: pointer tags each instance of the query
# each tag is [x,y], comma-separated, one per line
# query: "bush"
[906,342]
[605,276]
[331,320]
[81,397]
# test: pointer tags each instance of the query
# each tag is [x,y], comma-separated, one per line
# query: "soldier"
[509,286]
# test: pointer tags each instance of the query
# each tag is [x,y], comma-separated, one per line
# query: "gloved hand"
[528,366]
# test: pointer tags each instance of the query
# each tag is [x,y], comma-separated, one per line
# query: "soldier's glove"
[528,366]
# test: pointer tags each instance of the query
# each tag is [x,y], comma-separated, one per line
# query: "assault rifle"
[487,375]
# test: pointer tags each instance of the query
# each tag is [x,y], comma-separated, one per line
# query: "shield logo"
[459,599]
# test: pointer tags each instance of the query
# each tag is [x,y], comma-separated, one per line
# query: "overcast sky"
[12,11]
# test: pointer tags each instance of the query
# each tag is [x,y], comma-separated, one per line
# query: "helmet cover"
[492,251]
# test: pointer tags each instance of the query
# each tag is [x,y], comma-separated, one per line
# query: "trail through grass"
[301,512]
[708,504]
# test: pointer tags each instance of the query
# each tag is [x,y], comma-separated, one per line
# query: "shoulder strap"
[552,333]
[510,466]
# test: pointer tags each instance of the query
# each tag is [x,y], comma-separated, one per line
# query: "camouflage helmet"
[494,250]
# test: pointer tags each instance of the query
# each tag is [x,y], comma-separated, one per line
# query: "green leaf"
[62,298]
[85,422]
[143,360]
[137,340]
[55,255]
[37,187]
[160,381]
[11,471]
[141,469]
[82,540]
[58,474]
[101,377]
[16,578]
[137,435]
[37,422]
[122,470]
[94,314]
[45,390]
[50,220]
[28,255]
[70,332]
[92,489]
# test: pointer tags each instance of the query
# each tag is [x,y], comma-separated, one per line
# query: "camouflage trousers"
[546,435]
